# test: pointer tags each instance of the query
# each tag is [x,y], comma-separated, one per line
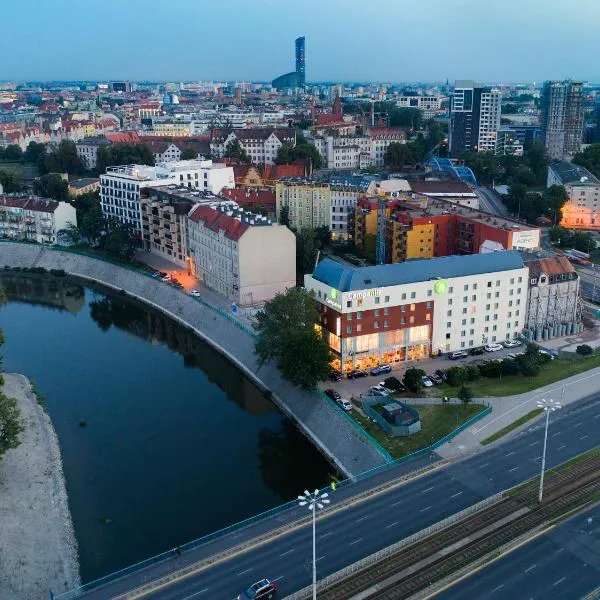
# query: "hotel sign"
[366,294]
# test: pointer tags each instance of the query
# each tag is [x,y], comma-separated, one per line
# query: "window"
[412,320]
[403,296]
[403,308]
[402,321]
[447,336]
[487,318]
[466,288]
[462,344]
[412,308]
[494,327]
[510,302]
[448,324]
[493,338]
[495,305]
[348,303]
[497,283]
[359,328]
[486,329]
[474,298]
[386,311]
[449,301]
[376,299]
[488,296]
[511,292]
[495,317]
[376,324]
[464,311]
[463,333]
[489,284]
[429,293]
[450,290]
[349,318]
[471,332]
[449,313]
[386,323]
[428,304]
[465,299]
[470,342]
[464,322]
[497,294]
[520,280]
[359,315]
[487,307]
[428,317]
[474,286]
[349,329]
[387,299]
[472,320]
[413,295]
[376,312]
[512,281]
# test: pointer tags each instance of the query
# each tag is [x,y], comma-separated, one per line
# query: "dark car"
[436,379]
[476,351]
[357,374]
[441,374]
[381,369]
[331,393]
[260,590]
[335,375]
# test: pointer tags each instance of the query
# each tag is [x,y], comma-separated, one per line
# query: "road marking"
[561,447]
[530,568]
[555,434]
[424,509]
[356,541]
[534,443]
[246,571]
[597,416]
[537,458]
[287,552]
[509,454]
[320,557]
[456,495]
[396,503]
[325,535]
[578,424]
[427,490]
[513,469]
[484,465]
[195,594]
[278,578]
[362,519]
[497,588]
[558,582]
[392,524]
[583,437]
[559,551]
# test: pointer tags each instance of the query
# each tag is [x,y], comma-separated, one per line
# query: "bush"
[530,368]
[58,272]
[413,379]
[490,368]
[510,367]
[465,394]
[584,350]
[471,373]
[456,376]
[392,383]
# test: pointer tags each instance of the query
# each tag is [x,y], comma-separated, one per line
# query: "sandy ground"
[38,550]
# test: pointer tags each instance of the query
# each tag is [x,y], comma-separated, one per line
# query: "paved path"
[329,428]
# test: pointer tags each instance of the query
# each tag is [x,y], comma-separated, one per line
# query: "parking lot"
[349,388]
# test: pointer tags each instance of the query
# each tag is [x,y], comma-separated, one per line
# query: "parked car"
[261,590]
[335,375]
[357,374]
[381,369]
[343,403]
[493,347]
[195,293]
[458,354]
[426,381]
[476,351]
[441,373]
[166,278]
[548,354]
[511,343]
[378,390]
[331,393]
[437,379]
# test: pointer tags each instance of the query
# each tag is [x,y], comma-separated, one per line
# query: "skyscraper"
[297,78]
[474,118]
[562,118]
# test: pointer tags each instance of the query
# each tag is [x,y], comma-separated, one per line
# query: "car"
[476,351]
[458,354]
[426,381]
[356,374]
[331,393]
[492,347]
[378,390]
[195,293]
[440,373]
[260,590]
[166,278]
[437,379]
[335,375]
[381,369]
[547,354]
[511,343]
[343,403]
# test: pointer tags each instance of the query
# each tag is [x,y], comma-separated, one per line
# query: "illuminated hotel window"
[358,328]
[428,317]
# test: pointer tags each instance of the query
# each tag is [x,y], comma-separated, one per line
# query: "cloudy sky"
[346,40]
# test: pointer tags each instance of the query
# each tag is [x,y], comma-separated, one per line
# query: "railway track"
[435,557]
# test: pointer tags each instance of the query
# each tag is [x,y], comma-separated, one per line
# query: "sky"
[346,40]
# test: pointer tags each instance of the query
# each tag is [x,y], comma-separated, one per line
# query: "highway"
[563,563]
[490,202]
[351,534]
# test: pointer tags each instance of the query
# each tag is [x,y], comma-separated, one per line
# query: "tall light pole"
[548,406]
[314,501]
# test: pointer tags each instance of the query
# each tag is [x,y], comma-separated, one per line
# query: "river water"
[163,440]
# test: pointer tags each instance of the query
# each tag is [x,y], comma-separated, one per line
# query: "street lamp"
[548,406]
[314,501]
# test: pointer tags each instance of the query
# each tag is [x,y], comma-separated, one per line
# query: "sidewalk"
[507,409]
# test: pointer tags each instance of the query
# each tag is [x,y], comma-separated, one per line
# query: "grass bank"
[502,432]
[437,421]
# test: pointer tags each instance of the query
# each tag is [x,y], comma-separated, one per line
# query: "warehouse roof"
[348,279]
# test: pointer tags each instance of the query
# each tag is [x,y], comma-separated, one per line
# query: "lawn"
[23,170]
[502,432]
[437,420]
[507,385]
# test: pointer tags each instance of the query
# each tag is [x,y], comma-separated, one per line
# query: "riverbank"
[37,540]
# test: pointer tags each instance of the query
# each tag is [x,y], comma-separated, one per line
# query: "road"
[563,563]
[490,202]
[383,519]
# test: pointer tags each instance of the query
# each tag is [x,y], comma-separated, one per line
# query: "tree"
[392,383]
[234,150]
[287,334]
[410,118]
[13,152]
[118,241]
[555,197]
[51,186]
[398,155]
[465,394]
[584,350]
[306,251]
[63,159]
[9,182]
[537,159]
[289,153]
[188,154]
[529,368]
[456,376]
[471,373]
[11,425]
[123,154]
[71,233]
[413,379]
[589,158]
[284,216]
[34,151]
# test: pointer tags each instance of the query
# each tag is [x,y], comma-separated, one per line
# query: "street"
[489,201]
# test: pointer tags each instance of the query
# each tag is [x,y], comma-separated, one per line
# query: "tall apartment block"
[562,118]
[474,118]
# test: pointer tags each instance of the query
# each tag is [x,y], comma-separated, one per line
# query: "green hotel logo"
[334,293]
[440,287]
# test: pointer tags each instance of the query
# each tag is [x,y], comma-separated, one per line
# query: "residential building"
[261,144]
[474,118]
[582,209]
[562,172]
[554,305]
[562,118]
[252,176]
[424,103]
[87,150]
[451,190]
[77,187]
[380,138]
[243,256]
[409,311]
[507,143]
[257,200]
[34,219]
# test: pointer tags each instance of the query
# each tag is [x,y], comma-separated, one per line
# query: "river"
[163,440]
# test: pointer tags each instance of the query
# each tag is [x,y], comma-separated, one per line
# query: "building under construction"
[554,307]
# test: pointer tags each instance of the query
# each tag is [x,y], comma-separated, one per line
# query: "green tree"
[392,383]
[284,216]
[52,186]
[589,158]
[188,154]
[555,197]
[537,159]
[286,334]
[456,376]
[63,159]
[398,155]
[465,394]
[123,154]
[34,151]
[306,252]
[10,182]
[11,425]
[118,240]
[471,373]
[409,118]
[13,152]
[289,153]
[72,233]
[584,350]
[234,150]
[561,236]
[413,379]
[510,109]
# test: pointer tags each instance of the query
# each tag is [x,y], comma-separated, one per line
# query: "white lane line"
[278,578]
[534,443]
[561,447]
[362,519]
[396,503]
[583,437]
[484,465]
[597,416]
[555,434]
[356,541]
[578,424]
[195,594]
[537,458]
[559,551]
[509,454]
[246,571]
[497,588]
[320,557]
[456,495]
[287,552]
[529,568]
[558,582]
[325,535]
[424,509]
[392,524]
[513,469]
[427,490]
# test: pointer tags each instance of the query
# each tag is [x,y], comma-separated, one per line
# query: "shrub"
[490,368]
[584,350]
[413,379]
[510,367]
[530,368]
[456,376]
[465,394]
[471,373]
[392,383]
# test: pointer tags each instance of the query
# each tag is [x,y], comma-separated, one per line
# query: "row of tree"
[567,238]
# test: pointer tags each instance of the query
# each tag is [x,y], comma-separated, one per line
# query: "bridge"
[366,515]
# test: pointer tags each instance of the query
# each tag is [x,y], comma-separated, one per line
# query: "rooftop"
[348,279]
[229,218]
[83,182]
[34,203]
[570,173]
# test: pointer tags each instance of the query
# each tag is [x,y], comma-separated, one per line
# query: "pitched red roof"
[29,203]
[124,137]
[219,221]
[275,172]
[380,131]
[249,198]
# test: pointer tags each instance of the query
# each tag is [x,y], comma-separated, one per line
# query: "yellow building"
[420,241]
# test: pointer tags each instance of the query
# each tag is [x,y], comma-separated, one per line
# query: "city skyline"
[407,44]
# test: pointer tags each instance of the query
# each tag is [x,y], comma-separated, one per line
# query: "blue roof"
[348,279]
[445,165]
